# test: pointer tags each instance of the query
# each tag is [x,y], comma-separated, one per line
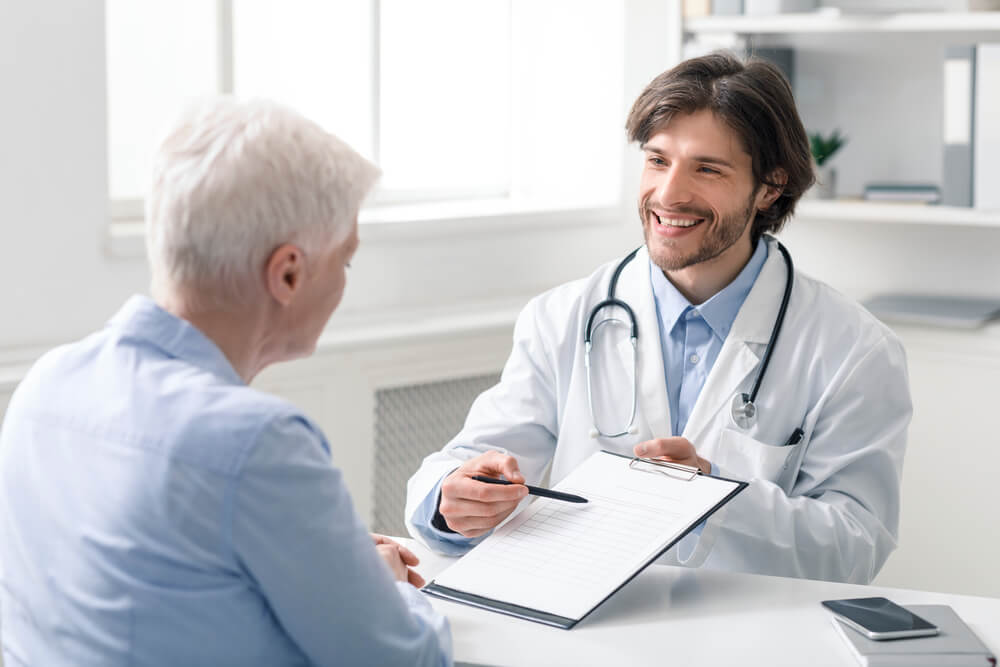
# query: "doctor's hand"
[473,508]
[675,450]
[399,559]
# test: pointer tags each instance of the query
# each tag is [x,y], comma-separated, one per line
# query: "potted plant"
[823,148]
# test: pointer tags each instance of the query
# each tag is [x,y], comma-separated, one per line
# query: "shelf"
[918,214]
[833,22]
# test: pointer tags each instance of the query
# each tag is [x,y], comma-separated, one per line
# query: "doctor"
[726,159]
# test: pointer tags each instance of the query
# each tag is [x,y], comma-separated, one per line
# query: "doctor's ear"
[284,273]
[770,193]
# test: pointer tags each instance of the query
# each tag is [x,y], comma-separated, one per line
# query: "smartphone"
[879,618]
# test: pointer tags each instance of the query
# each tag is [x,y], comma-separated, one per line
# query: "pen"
[795,437]
[534,490]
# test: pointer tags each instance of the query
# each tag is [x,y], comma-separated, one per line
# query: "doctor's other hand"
[676,450]
[399,559]
[472,508]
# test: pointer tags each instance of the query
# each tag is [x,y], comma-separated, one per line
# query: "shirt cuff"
[450,543]
[420,607]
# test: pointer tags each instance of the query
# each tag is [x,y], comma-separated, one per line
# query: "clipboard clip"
[659,467]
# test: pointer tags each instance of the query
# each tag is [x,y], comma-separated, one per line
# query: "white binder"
[986,134]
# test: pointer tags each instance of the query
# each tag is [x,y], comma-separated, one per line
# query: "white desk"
[682,617]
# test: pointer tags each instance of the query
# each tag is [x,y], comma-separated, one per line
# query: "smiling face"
[698,196]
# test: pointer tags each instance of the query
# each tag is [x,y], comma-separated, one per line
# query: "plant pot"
[826,183]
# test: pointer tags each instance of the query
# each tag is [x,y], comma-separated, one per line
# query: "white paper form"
[565,558]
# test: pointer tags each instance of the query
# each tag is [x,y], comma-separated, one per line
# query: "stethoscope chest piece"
[744,411]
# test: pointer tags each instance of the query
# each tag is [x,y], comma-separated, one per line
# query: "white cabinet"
[879,79]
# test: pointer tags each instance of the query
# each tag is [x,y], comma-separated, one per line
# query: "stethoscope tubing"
[748,400]
[612,301]
[779,322]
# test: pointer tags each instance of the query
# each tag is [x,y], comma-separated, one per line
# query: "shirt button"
[695,358]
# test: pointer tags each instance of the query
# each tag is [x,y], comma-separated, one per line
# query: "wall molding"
[354,333]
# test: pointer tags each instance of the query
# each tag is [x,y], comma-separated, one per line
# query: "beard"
[719,238]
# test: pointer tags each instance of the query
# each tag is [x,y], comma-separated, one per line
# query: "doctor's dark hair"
[752,97]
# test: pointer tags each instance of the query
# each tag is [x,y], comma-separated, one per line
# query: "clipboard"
[504,575]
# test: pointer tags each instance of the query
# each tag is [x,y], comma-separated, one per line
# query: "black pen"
[534,490]
[795,437]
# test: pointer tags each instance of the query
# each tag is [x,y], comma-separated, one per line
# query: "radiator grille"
[410,423]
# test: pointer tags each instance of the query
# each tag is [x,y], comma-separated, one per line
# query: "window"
[511,99]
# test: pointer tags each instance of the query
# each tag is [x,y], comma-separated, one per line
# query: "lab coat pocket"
[742,457]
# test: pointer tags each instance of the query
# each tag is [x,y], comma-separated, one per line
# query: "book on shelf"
[926,193]
[727,7]
[893,6]
[696,8]
[986,130]
[959,105]
[944,310]
[773,7]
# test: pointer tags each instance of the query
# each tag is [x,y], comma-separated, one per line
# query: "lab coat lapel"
[635,289]
[743,348]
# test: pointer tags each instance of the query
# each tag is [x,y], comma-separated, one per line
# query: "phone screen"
[878,615]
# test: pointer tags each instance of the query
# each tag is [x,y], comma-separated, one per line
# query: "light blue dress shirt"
[155,510]
[691,338]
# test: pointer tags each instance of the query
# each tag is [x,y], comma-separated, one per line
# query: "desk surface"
[681,616]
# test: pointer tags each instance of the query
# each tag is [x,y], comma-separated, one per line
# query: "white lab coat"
[826,508]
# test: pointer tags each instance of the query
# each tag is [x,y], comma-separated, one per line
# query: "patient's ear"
[284,273]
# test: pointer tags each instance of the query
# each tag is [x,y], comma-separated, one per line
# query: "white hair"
[233,181]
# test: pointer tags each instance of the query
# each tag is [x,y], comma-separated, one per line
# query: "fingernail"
[640,450]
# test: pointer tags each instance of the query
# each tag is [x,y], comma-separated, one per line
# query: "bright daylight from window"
[455,100]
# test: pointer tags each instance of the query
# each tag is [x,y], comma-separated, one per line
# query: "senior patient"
[154,509]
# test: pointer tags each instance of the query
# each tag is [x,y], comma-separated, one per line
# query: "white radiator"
[410,423]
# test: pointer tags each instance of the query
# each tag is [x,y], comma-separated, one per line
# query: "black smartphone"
[879,618]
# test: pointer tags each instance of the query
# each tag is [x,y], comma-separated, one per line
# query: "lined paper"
[565,558]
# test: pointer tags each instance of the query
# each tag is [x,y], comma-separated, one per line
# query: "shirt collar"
[719,311]
[141,318]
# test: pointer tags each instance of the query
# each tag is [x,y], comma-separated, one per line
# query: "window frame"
[130,210]
[389,215]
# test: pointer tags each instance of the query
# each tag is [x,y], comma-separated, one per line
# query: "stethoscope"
[744,406]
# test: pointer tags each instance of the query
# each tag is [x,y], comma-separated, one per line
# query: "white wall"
[948,535]
[428,306]
[59,282]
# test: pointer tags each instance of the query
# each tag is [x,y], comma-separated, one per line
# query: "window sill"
[126,238]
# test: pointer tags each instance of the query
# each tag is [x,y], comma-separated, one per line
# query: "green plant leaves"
[823,148]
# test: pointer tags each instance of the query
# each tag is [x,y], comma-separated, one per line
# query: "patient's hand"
[399,559]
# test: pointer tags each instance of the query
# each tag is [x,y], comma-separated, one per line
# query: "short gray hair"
[232,181]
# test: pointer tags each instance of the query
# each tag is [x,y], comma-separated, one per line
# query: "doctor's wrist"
[438,521]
